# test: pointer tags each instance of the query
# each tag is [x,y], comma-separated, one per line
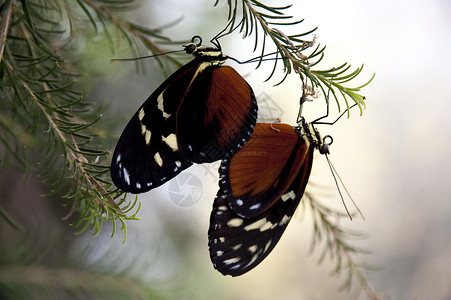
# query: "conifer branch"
[47,127]
[293,50]
[337,246]
[5,21]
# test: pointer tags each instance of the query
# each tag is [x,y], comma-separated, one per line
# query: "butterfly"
[261,186]
[201,113]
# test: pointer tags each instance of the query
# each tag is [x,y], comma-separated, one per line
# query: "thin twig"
[5,21]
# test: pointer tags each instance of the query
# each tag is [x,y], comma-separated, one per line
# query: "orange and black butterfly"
[261,186]
[201,113]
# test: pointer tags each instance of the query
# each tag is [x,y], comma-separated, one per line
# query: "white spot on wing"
[171,141]
[252,249]
[266,226]
[284,220]
[232,260]
[237,247]
[267,245]
[178,163]
[254,258]
[255,206]
[235,222]
[141,114]
[256,225]
[261,224]
[148,137]
[239,202]
[158,160]
[118,158]
[146,133]
[290,195]
[160,104]
[219,253]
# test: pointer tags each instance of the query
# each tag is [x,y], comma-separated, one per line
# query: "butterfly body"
[260,189]
[188,119]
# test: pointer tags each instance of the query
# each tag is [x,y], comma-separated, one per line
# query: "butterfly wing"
[238,244]
[217,116]
[147,153]
[261,171]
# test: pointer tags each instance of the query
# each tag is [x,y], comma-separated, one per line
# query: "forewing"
[257,175]
[217,116]
[239,244]
[147,153]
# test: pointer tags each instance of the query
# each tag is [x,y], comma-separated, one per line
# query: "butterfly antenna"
[223,33]
[338,188]
[339,117]
[143,57]
[327,109]
[335,176]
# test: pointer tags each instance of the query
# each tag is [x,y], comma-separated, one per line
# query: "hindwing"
[217,115]
[237,244]
[262,170]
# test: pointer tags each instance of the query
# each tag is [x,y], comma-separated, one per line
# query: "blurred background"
[394,159]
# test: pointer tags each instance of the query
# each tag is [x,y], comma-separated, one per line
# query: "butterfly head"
[193,46]
[212,55]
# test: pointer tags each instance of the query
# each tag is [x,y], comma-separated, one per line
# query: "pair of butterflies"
[205,112]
